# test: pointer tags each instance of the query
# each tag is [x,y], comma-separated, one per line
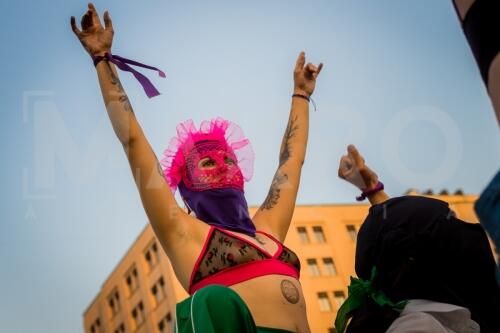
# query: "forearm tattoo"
[290,292]
[290,132]
[274,192]
[125,102]
[122,97]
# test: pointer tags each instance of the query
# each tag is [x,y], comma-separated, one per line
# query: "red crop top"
[228,259]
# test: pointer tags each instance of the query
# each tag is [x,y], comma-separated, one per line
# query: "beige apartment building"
[141,292]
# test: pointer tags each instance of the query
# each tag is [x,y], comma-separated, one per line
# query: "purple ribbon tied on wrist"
[121,63]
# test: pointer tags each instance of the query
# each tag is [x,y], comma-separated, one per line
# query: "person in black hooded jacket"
[421,251]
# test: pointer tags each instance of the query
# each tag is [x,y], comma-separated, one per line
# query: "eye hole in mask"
[229,160]
[206,163]
[209,163]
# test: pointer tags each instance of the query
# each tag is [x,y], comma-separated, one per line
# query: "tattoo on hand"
[290,291]
[289,134]
[274,192]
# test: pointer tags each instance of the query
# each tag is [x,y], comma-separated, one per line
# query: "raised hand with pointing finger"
[353,169]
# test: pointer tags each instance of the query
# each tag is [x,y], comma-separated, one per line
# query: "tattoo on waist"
[290,292]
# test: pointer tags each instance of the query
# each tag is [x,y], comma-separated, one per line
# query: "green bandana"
[359,292]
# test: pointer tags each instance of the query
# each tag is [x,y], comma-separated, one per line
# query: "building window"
[114,302]
[329,266]
[151,255]
[339,297]
[324,302]
[132,280]
[158,291]
[138,315]
[304,238]
[165,323]
[120,328]
[351,230]
[319,235]
[313,267]
[96,326]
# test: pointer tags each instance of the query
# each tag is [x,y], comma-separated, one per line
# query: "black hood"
[422,251]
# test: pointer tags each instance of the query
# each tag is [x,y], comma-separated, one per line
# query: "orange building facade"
[141,293]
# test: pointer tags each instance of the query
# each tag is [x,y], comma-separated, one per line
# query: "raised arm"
[352,168]
[276,212]
[157,199]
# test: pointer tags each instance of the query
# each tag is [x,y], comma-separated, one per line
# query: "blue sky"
[399,81]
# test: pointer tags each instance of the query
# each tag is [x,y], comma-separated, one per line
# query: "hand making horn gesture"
[95,38]
[304,77]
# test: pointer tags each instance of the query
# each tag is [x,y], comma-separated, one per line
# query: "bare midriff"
[275,301]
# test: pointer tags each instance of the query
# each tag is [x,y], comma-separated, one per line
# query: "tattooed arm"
[157,199]
[276,212]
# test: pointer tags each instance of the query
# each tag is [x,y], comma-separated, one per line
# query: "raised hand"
[304,77]
[352,168]
[95,38]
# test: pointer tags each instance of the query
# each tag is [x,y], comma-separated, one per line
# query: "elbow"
[127,139]
[128,143]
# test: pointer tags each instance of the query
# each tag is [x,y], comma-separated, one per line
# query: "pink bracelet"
[379,187]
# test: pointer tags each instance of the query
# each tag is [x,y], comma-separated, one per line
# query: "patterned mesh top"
[229,259]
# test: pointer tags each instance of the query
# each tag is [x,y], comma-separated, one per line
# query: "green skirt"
[217,309]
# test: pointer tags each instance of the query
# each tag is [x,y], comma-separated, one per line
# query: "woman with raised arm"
[240,276]
[420,268]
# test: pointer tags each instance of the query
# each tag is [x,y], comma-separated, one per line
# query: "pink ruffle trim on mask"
[224,131]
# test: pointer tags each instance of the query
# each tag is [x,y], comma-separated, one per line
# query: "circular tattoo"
[290,292]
